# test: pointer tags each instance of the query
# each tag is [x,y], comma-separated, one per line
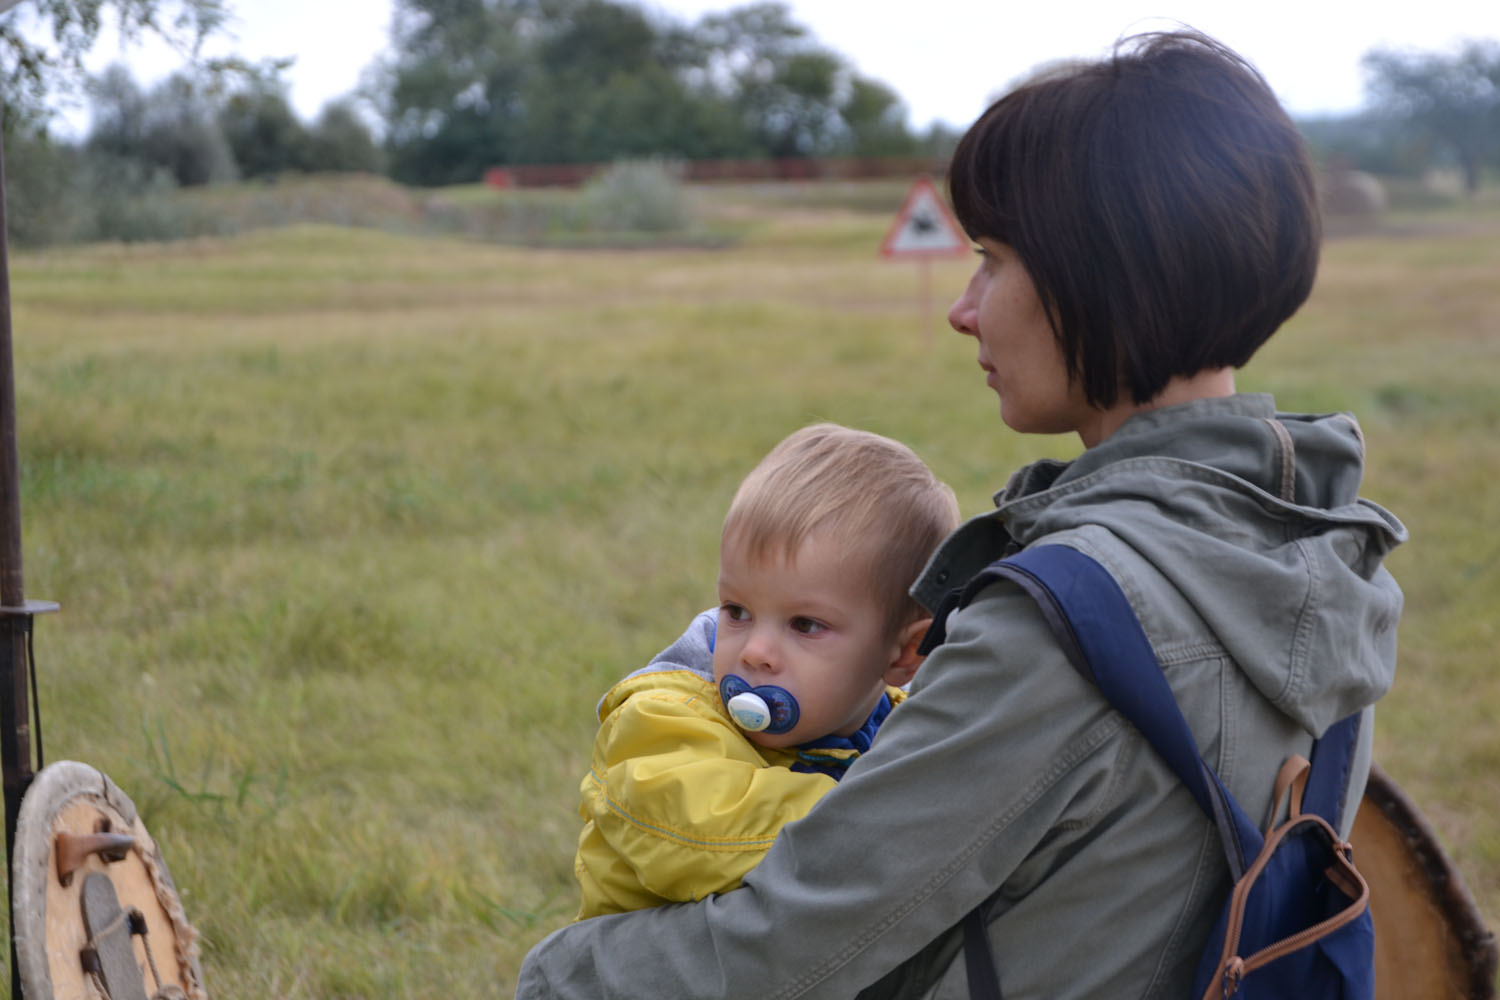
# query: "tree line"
[472,84]
[476,83]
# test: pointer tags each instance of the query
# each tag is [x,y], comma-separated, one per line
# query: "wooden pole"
[15,716]
[926,297]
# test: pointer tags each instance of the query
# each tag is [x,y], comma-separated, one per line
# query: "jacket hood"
[1254,516]
[693,651]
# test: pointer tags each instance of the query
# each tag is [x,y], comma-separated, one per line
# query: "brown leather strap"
[1291,778]
[1287,452]
[1341,873]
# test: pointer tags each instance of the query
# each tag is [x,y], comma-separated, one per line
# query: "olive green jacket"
[1007,780]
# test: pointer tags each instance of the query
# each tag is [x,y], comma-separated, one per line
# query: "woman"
[1144,224]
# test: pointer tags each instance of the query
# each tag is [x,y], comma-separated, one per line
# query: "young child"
[744,722]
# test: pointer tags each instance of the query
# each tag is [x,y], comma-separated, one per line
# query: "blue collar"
[832,754]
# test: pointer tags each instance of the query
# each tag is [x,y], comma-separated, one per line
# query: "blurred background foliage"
[467,86]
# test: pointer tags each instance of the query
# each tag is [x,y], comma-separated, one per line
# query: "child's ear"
[906,661]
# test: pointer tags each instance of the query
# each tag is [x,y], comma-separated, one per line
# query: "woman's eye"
[807,626]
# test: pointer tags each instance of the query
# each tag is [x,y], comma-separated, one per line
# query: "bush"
[37,176]
[636,196]
[126,200]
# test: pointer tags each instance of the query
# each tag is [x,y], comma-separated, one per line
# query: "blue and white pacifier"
[765,709]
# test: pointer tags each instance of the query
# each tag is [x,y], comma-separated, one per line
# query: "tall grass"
[351,529]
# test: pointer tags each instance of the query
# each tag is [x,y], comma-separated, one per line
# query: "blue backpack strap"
[1332,763]
[1101,636]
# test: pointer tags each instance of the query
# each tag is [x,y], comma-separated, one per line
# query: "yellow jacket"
[677,803]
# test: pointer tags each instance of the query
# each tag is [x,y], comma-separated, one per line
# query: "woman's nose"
[963,315]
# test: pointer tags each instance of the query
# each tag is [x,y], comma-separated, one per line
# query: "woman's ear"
[906,660]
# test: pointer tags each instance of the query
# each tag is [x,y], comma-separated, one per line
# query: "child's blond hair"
[870,495]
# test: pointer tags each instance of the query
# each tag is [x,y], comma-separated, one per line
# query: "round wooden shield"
[1430,941]
[95,910]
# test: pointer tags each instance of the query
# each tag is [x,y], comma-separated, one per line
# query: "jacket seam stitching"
[1171,655]
[1301,633]
[1207,848]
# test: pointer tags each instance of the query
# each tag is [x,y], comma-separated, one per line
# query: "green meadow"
[351,529]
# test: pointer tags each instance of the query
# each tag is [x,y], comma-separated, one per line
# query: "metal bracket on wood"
[30,608]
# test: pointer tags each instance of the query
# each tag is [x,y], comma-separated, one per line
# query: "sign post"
[924,229]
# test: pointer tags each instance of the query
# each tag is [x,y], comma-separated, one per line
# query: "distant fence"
[799,169]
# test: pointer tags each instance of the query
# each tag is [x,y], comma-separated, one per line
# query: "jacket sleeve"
[1000,742]
[678,805]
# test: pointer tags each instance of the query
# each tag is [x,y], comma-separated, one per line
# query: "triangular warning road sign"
[924,227]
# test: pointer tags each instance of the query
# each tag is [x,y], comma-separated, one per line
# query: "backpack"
[1297,923]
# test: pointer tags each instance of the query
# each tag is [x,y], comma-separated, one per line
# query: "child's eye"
[734,612]
[807,626]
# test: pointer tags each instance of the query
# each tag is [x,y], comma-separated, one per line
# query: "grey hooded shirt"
[1006,781]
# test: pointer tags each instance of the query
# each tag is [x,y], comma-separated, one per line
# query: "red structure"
[798,169]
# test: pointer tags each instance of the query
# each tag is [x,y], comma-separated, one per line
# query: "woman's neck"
[1182,389]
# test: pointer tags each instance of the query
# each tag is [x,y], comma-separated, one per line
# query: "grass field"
[351,529]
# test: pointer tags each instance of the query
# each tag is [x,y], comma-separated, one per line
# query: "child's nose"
[760,651]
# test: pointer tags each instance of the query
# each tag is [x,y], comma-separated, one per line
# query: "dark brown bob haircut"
[1162,202]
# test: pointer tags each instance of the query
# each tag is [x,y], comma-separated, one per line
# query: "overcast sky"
[944,57]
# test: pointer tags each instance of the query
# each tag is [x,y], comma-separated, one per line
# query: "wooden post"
[926,297]
[15,715]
